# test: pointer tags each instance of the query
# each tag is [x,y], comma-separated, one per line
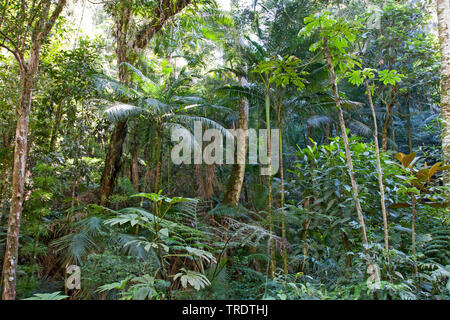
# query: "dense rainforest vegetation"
[341,190]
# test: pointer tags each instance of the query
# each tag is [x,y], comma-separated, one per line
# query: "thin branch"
[56,13]
[18,57]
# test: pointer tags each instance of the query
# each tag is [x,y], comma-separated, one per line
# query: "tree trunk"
[269,182]
[166,10]
[346,143]
[135,158]
[379,171]
[113,161]
[158,159]
[413,235]
[234,186]
[115,148]
[443,12]
[282,201]
[17,188]
[384,130]
[28,71]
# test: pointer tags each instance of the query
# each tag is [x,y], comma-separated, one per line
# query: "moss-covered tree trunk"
[17,188]
[28,72]
[119,133]
[236,180]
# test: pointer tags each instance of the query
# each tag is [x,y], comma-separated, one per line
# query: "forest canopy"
[225,150]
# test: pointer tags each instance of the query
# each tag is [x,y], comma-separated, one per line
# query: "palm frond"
[121,112]
[190,120]
[318,120]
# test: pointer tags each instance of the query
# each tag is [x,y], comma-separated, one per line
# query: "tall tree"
[129,39]
[443,12]
[24,27]
[236,180]
[335,37]
[121,12]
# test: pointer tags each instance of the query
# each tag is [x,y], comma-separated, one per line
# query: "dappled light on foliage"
[165,150]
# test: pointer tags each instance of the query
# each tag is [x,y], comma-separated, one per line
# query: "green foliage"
[194,279]
[48,296]
[203,65]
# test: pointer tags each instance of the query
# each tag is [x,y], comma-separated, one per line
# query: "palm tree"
[164,104]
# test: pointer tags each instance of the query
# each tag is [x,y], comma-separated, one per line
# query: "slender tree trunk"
[28,71]
[269,182]
[384,130]
[234,186]
[443,12]
[413,232]
[379,171]
[346,143]
[135,159]
[282,202]
[17,188]
[158,159]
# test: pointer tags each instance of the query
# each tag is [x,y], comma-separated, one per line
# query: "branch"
[4,35]
[18,57]
[56,13]
[162,14]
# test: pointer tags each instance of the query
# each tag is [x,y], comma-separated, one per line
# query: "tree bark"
[113,161]
[162,13]
[346,144]
[17,188]
[158,159]
[413,234]
[115,148]
[379,171]
[135,158]
[166,10]
[389,104]
[282,200]
[28,71]
[234,186]
[384,130]
[269,181]
[443,13]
